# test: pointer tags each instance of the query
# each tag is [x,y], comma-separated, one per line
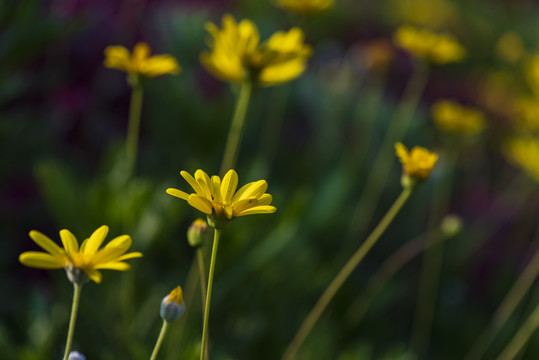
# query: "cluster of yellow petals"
[417,163]
[452,117]
[238,56]
[524,153]
[87,258]
[220,200]
[424,44]
[304,6]
[140,62]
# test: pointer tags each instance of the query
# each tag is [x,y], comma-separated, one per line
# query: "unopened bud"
[198,233]
[172,305]
[451,225]
[75,355]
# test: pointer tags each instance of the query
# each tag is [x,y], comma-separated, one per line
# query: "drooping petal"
[94,275]
[229,185]
[46,243]
[42,260]
[178,193]
[265,209]
[96,239]
[69,240]
[200,203]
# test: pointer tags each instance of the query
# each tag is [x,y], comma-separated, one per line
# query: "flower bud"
[198,233]
[417,164]
[75,355]
[172,305]
[451,225]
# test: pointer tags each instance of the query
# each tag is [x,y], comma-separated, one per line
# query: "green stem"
[506,308]
[234,134]
[521,337]
[159,340]
[216,235]
[74,308]
[341,277]
[432,259]
[202,271]
[382,163]
[133,128]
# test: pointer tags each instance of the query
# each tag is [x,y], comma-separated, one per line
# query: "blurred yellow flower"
[434,14]
[220,200]
[452,117]
[417,163]
[524,153]
[531,71]
[140,62]
[238,56]
[88,258]
[510,47]
[305,6]
[528,111]
[424,44]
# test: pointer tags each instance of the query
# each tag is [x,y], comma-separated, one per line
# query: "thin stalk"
[202,273]
[521,337]
[506,308]
[159,340]
[73,319]
[216,235]
[343,274]
[234,134]
[133,127]
[383,160]
[432,259]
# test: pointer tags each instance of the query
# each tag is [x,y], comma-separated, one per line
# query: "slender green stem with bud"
[341,277]
[216,235]
[234,134]
[202,271]
[159,340]
[73,319]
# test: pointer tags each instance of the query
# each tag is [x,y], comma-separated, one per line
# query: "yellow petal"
[265,199]
[113,249]
[117,57]
[46,243]
[131,255]
[42,260]
[94,275]
[160,65]
[282,72]
[205,183]
[96,239]
[200,203]
[216,188]
[255,190]
[192,181]
[69,240]
[402,152]
[120,266]
[265,209]
[229,185]
[178,193]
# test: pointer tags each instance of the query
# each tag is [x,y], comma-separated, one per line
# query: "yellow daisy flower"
[80,262]
[220,200]
[524,153]
[305,6]
[238,56]
[421,43]
[140,62]
[452,117]
[418,163]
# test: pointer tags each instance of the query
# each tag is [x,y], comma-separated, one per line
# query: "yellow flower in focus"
[524,153]
[304,6]
[88,258]
[417,163]
[421,43]
[220,200]
[140,62]
[238,56]
[452,117]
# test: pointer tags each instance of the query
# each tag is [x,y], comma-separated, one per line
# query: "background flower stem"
[202,271]
[521,337]
[133,128]
[343,274]
[234,134]
[73,319]
[216,236]
[159,340]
